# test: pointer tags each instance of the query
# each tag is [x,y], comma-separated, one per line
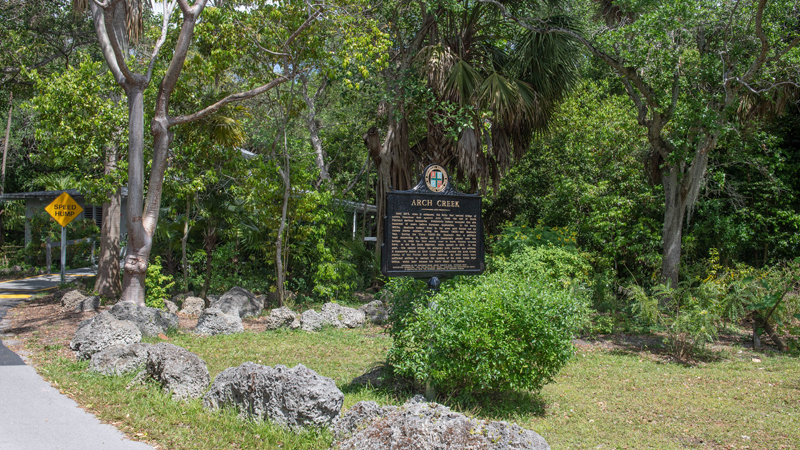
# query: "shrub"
[495,332]
[563,265]
[157,285]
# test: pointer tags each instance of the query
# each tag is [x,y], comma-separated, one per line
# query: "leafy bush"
[516,238]
[335,278]
[495,332]
[157,285]
[564,265]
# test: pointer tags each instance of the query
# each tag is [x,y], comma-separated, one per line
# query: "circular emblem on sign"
[436,178]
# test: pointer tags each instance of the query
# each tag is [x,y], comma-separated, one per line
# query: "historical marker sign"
[432,230]
[64,209]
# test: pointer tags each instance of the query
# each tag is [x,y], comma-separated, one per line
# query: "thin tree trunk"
[673,227]
[184,240]
[210,246]
[3,174]
[287,189]
[108,283]
[313,128]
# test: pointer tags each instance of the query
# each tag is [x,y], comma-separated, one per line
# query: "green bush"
[157,285]
[564,265]
[495,332]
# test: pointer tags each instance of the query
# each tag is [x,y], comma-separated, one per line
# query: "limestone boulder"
[151,321]
[214,321]
[239,300]
[419,425]
[341,316]
[91,303]
[179,371]
[359,416]
[119,359]
[71,299]
[282,318]
[102,331]
[172,308]
[311,320]
[193,306]
[296,397]
[376,312]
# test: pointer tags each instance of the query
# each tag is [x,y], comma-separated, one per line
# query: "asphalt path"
[33,414]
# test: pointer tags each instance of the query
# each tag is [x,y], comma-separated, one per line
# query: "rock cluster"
[334,315]
[150,321]
[75,301]
[192,306]
[376,312]
[419,425]
[295,397]
[214,321]
[102,331]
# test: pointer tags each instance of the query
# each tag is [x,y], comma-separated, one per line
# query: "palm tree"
[486,89]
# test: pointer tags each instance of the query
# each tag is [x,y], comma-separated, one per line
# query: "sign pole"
[63,254]
[63,209]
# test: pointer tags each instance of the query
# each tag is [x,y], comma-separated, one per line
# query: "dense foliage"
[510,329]
[566,152]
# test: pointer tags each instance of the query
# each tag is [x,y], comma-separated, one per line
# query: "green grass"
[602,399]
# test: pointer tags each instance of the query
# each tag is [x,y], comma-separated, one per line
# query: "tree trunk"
[139,242]
[108,283]
[3,173]
[313,128]
[184,240]
[673,227]
[210,246]
[281,271]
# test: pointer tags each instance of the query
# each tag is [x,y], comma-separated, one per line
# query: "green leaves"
[507,330]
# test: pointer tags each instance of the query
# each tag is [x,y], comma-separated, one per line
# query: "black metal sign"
[432,230]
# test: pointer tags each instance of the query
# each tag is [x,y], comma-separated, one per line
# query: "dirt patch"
[42,322]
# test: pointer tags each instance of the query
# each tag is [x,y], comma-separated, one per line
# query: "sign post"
[432,231]
[64,209]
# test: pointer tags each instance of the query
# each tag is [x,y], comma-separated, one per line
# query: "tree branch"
[762,55]
[247,94]
[168,8]
[358,176]
[229,99]
[119,57]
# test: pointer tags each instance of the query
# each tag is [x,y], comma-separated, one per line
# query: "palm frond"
[436,63]
[467,151]
[462,82]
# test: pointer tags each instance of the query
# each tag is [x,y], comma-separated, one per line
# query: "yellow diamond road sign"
[64,208]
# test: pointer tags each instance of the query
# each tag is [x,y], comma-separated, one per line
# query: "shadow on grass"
[654,346]
[511,405]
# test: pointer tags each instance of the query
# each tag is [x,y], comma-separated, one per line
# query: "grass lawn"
[608,396]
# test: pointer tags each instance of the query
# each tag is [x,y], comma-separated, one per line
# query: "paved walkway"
[33,414]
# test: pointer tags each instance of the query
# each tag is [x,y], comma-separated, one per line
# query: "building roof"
[42,195]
